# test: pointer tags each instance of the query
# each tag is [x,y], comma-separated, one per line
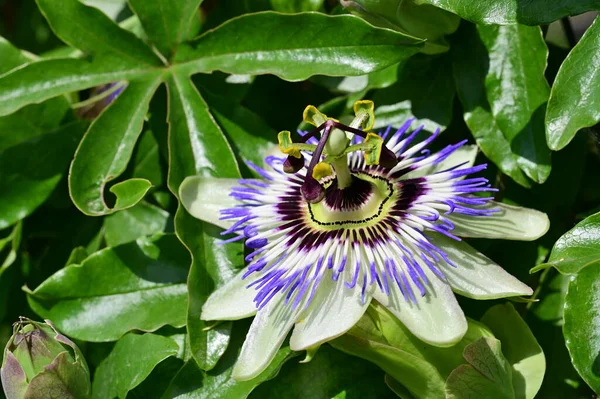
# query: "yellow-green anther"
[375,144]
[313,116]
[364,115]
[288,147]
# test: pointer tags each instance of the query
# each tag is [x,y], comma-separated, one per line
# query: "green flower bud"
[408,16]
[39,362]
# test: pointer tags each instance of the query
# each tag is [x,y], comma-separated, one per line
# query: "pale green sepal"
[232,301]
[334,310]
[520,348]
[204,198]
[475,275]
[488,374]
[435,318]
[509,223]
[267,332]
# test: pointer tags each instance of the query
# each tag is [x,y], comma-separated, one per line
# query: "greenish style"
[575,100]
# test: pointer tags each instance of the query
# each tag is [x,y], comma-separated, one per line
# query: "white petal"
[510,223]
[266,334]
[476,276]
[436,318]
[334,310]
[205,197]
[466,153]
[233,301]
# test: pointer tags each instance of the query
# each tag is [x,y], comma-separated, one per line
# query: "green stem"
[342,172]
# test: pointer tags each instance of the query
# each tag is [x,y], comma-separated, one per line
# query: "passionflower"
[350,217]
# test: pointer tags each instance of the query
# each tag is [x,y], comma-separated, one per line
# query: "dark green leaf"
[92,32]
[32,169]
[128,225]
[45,79]
[330,374]
[100,300]
[10,56]
[576,249]
[193,383]
[520,348]
[581,328]
[470,65]
[488,374]
[197,146]
[105,150]
[296,46]
[417,375]
[31,121]
[424,91]
[502,12]
[575,99]
[166,22]
[132,359]
[146,161]
[249,135]
[293,6]
[517,91]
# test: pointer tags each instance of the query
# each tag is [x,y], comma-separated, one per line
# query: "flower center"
[363,202]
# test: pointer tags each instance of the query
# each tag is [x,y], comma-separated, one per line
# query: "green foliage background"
[92,235]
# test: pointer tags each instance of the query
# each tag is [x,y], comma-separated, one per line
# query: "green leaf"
[146,160]
[250,136]
[10,56]
[520,348]
[502,12]
[424,90]
[192,382]
[132,360]
[45,79]
[166,22]
[105,150]
[488,374]
[128,225]
[293,6]
[296,46]
[197,146]
[32,169]
[581,329]
[575,100]
[471,65]
[330,374]
[517,61]
[100,300]
[577,248]
[92,32]
[32,121]
[418,376]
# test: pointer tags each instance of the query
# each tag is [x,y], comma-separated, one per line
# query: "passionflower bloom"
[350,217]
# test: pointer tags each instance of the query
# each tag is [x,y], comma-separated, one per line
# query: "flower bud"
[39,362]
